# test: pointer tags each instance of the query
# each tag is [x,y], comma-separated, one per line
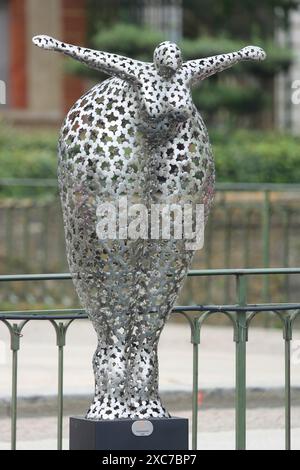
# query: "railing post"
[266,242]
[208,258]
[287,334]
[60,343]
[9,236]
[246,244]
[14,346]
[240,398]
[227,250]
[195,339]
[26,237]
[286,250]
[60,330]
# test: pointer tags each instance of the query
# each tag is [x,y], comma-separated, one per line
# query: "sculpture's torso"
[104,156]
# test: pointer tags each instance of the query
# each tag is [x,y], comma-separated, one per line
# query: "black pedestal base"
[129,434]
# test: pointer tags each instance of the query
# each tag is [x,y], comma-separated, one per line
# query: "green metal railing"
[240,315]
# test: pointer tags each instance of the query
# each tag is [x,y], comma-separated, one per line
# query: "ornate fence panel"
[240,313]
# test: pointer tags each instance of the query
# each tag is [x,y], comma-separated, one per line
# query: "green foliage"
[128,39]
[241,156]
[241,19]
[257,157]
[238,99]
[26,154]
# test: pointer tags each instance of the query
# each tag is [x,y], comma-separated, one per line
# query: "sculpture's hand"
[48,43]
[112,64]
[253,53]
[195,70]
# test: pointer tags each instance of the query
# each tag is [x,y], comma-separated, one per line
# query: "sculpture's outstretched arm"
[112,64]
[202,68]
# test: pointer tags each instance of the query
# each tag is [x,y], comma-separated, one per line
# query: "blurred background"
[251,113]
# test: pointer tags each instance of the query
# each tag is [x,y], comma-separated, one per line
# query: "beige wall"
[44,68]
[295,70]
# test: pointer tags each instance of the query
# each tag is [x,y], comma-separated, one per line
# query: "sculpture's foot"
[108,408]
[148,409]
[112,408]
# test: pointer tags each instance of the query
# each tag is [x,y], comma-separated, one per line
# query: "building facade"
[38,87]
[287,106]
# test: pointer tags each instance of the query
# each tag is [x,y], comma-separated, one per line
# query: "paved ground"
[265,368]
[38,359]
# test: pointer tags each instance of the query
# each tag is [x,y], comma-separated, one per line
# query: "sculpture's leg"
[126,370]
[109,364]
[143,394]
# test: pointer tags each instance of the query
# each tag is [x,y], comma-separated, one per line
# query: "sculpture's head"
[165,97]
[167,58]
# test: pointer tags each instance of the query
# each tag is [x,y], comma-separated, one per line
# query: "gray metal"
[137,135]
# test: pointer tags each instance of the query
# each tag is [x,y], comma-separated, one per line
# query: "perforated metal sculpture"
[137,135]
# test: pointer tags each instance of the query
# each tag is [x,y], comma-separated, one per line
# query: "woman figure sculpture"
[136,137]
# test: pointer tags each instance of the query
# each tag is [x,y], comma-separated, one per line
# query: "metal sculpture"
[137,135]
